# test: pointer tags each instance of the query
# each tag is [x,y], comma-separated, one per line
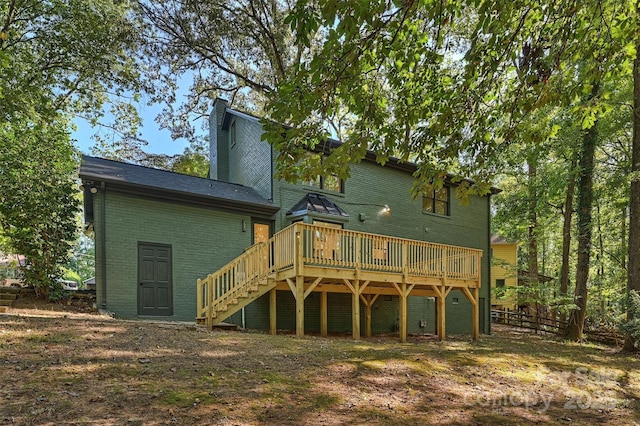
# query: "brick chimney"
[218,144]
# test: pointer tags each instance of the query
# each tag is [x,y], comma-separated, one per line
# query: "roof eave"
[183,197]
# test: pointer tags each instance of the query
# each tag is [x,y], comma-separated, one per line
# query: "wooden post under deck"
[355,309]
[441,315]
[272,312]
[369,299]
[475,314]
[299,306]
[473,296]
[403,312]
[323,314]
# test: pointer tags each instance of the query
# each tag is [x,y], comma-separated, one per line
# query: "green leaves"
[58,58]
[37,195]
[420,85]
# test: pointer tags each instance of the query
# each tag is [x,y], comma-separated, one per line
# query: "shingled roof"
[175,186]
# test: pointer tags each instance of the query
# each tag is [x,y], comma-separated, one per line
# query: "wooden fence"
[552,325]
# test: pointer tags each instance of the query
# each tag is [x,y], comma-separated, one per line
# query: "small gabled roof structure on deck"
[317,206]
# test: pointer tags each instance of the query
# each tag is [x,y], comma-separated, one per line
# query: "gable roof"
[158,183]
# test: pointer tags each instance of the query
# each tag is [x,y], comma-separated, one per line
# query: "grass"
[97,370]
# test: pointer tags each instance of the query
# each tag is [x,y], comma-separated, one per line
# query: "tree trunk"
[533,237]
[575,324]
[600,258]
[566,236]
[633,283]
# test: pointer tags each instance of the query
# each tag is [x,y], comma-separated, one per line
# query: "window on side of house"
[500,282]
[329,182]
[437,201]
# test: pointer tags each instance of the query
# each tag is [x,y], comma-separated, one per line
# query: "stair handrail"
[238,276]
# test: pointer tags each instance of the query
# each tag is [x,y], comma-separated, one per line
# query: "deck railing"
[316,245]
[342,248]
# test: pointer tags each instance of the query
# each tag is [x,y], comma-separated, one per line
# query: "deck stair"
[236,285]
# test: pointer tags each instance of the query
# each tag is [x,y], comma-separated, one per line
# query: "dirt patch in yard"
[64,365]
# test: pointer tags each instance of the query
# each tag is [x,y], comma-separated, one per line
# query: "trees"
[421,85]
[239,49]
[633,282]
[57,58]
[37,204]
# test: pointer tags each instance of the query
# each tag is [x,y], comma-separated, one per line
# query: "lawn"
[69,368]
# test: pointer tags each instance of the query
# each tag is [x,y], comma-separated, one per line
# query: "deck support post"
[403,312]
[367,331]
[473,296]
[403,291]
[323,314]
[355,309]
[441,316]
[272,312]
[299,306]
[368,300]
[475,314]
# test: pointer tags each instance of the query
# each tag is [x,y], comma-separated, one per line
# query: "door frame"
[254,221]
[139,279]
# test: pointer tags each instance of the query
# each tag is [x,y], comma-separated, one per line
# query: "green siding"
[202,241]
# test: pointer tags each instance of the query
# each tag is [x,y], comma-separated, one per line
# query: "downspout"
[103,244]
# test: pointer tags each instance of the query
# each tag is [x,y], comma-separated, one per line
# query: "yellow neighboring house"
[504,260]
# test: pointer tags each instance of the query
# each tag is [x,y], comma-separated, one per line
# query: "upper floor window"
[437,201]
[329,182]
[500,282]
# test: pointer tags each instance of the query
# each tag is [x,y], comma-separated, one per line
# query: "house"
[504,273]
[380,258]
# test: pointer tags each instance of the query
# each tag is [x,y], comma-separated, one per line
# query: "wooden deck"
[305,258]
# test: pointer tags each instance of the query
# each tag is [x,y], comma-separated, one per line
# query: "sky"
[160,141]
